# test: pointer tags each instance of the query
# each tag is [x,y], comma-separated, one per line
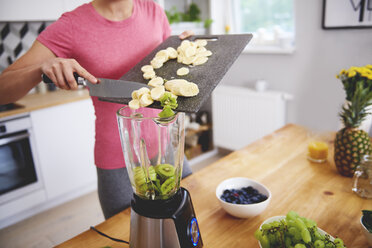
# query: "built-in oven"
[19,172]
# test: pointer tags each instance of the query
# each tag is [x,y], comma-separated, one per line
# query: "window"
[270,21]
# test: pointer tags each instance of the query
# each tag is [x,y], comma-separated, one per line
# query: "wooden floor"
[61,223]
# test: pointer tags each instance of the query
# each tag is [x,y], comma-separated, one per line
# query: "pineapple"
[352,143]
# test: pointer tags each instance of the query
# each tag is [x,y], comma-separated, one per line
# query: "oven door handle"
[7,140]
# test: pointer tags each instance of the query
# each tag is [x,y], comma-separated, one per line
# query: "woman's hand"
[61,72]
[186,34]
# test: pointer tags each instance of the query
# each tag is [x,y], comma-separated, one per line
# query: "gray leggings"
[115,191]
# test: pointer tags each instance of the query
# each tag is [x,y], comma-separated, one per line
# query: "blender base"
[167,223]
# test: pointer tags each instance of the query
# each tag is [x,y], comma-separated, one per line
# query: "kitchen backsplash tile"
[16,38]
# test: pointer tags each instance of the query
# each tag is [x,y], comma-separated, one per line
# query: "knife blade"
[106,88]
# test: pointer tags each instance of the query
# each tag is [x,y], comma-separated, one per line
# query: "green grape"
[275,224]
[306,237]
[278,238]
[272,238]
[297,238]
[288,242]
[265,243]
[319,244]
[329,245]
[296,235]
[266,227]
[291,223]
[316,235]
[338,241]
[258,234]
[292,215]
[310,223]
[300,246]
[300,224]
[292,231]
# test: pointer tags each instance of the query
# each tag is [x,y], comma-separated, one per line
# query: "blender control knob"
[194,231]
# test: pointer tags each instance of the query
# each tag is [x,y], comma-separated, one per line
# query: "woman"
[105,38]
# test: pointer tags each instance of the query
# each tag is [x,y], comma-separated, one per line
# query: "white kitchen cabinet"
[64,137]
[36,10]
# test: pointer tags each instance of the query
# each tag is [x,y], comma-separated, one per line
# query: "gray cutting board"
[225,48]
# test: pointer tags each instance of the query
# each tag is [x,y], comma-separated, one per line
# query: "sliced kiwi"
[152,173]
[158,185]
[165,170]
[168,186]
[143,189]
[140,176]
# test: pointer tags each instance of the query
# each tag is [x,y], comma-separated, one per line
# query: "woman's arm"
[25,73]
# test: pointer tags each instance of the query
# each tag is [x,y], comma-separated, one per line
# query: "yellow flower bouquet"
[354,76]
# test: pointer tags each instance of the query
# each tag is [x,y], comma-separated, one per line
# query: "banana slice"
[172,53]
[149,75]
[201,43]
[161,58]
[135,94]
[207,53]
[200,50]
[183,71]
[156,63]
[181,87]
[157,92]
[200,61]
[180,58]
[189,60]
[147,68]
[156,81]
[189,90]
[140,92]
[185,44]
[190,51]
[145,100]
[162,53]
[134,104]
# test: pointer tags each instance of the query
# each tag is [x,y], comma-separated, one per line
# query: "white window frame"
[222,15]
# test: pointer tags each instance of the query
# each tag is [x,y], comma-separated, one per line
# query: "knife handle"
[78,79]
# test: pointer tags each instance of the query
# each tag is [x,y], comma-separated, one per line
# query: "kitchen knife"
[120,89]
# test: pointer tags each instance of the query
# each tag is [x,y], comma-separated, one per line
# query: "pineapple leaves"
[355,110]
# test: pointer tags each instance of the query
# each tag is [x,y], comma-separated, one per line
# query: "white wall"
[309,73]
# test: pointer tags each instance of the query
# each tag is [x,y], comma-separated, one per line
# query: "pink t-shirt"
[107,49]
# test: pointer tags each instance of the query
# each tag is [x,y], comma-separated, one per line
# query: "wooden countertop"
[315,191]
[37,101]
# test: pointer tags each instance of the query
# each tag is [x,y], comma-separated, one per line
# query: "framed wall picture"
[341,14]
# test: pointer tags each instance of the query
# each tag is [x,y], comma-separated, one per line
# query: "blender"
[162,214]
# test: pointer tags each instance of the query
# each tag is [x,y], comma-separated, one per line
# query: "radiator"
[241,116]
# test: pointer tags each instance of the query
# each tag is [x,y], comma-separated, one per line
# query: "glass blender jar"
[153,150]
[162,214]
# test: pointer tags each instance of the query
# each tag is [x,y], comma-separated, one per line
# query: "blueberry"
[226,191]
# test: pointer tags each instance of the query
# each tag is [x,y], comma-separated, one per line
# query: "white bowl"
[366,233]
[242,210]
[277,218]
